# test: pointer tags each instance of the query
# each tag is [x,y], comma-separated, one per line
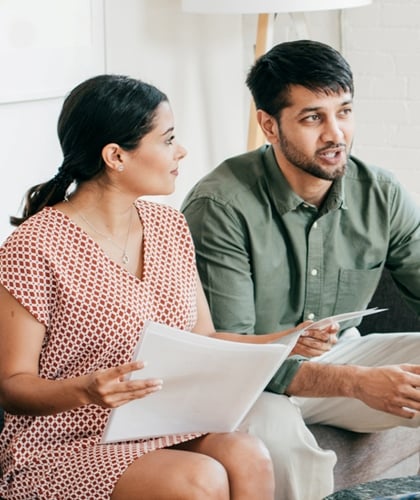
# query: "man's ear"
[269,126]
[111,156]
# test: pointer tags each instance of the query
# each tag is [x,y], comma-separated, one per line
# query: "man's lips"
[332,154]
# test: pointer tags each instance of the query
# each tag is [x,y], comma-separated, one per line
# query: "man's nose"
[332,131]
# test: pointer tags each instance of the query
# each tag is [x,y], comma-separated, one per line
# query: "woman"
[78,278]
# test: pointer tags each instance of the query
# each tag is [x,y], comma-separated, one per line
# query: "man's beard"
[301,161]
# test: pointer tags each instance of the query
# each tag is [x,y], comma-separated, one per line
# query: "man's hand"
[394,389]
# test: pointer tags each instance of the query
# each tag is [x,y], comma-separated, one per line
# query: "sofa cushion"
[398,318]
[364,457]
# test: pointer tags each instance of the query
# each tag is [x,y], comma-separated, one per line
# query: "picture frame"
[48,46]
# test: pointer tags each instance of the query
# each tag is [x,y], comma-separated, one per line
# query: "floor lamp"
[266,10]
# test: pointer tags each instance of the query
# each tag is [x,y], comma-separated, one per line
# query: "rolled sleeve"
[285,374]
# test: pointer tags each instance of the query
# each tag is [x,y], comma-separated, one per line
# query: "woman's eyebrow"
[170,129]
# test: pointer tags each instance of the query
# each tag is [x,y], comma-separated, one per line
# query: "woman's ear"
[269,126]
[111,154]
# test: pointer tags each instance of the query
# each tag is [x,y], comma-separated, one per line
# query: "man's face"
[316,132]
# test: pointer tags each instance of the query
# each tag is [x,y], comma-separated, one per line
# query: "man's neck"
[314,194]
[310,188]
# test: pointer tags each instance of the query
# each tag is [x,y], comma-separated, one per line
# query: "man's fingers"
[415,369]
[405,412]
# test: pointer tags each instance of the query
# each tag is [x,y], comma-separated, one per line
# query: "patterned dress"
[93,311]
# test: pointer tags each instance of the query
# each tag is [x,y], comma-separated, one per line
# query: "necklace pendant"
[125,259]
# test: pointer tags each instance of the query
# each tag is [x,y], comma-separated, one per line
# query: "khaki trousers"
[303,470]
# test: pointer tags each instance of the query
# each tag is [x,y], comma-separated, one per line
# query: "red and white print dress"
[94,312]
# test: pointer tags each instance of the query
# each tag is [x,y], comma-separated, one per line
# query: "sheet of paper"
[339,318]
[322,323]
[208,384]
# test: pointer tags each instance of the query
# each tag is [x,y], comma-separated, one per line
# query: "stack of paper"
[208,384]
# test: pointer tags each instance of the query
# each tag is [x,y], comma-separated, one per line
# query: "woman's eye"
[170,140]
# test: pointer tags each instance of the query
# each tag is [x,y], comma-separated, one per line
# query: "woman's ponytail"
[46,194]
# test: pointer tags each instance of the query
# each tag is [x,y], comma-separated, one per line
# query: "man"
[297,230]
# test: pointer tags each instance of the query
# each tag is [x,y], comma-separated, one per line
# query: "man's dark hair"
[314,65]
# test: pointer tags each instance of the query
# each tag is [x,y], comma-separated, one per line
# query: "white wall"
[46,47]
[383,46]
[198,61]
[30,151]
[201,62]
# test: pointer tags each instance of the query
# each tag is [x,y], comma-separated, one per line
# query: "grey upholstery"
[398,318]
[366,457]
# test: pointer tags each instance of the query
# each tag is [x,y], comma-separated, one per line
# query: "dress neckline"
[93,242]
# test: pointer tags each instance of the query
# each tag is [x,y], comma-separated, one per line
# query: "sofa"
[387,454]
[368,457]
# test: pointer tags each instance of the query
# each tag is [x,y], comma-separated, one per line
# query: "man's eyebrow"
[314,109]
[309,109]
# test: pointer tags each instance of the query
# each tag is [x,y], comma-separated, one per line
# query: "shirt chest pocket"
[355,288]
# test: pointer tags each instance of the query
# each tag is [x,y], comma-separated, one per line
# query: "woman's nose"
[182,152]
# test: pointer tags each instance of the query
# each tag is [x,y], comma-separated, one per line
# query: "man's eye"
[311,118]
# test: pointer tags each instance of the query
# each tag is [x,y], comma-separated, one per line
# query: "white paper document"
[338,318]
[209,384]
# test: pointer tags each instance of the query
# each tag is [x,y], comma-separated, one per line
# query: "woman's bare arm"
[23,391]
[314,343]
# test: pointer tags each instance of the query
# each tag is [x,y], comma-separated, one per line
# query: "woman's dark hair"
[99,111]
[314,65]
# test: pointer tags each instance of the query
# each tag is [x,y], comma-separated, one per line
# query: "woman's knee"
[186,476]
[206,478]
[249,466]
[249,453]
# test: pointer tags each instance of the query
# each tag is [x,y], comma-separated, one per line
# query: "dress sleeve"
[26,273]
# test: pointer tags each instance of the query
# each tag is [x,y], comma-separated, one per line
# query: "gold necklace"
[124,257]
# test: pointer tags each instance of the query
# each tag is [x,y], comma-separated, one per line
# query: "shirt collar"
[285,199]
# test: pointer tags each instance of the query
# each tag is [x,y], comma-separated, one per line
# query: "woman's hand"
[314,342]
[110,388]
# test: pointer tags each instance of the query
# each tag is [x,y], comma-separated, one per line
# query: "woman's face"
[152,168]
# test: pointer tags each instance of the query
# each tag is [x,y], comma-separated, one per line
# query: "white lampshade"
[263,6]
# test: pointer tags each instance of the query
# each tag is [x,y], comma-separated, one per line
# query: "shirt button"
[315,225]
[311,316]
[314,272]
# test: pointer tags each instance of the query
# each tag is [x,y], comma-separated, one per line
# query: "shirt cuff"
[285,374]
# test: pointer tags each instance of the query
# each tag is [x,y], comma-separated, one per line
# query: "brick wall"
[382,43]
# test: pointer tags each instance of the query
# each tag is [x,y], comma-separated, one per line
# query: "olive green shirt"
[268,260]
